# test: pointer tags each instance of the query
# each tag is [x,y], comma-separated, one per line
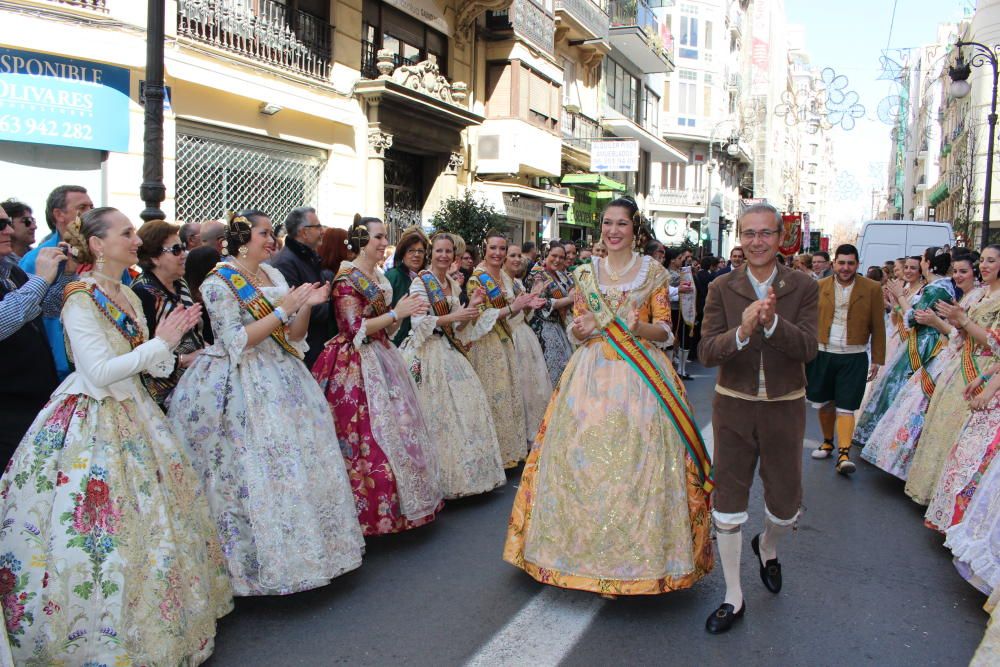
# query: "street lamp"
[959,74]
[732,145]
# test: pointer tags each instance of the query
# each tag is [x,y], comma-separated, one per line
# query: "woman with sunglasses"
[161,288]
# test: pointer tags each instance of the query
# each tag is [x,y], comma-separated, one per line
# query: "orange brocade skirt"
[699,512]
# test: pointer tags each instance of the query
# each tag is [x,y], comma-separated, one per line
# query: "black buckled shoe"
[770,572]
[722,619]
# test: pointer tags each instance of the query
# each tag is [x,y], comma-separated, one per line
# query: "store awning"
[659,150]
[939,194]
[547,196]
[592,182]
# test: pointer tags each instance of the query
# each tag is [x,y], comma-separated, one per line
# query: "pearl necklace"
[617,275]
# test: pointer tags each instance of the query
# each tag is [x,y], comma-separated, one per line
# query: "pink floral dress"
[383,435]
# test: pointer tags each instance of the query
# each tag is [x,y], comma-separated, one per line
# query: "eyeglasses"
[26,220]
[763,235]
[415,251]
[311,226]
[176,249]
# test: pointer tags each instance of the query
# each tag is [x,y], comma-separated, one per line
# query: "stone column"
[378,143]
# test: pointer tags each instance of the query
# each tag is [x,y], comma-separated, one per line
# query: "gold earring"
[243,252]
[99,264]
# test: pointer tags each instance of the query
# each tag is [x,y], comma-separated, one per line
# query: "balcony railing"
[593,16]
[579,130]
[629,13]
[265,30]
[528,20]
[97,5]
[668,197]
[369,60]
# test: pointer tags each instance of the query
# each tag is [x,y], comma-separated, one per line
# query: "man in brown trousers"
[760,330]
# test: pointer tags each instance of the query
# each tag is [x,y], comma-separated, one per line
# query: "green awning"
[596,181]
[939,194]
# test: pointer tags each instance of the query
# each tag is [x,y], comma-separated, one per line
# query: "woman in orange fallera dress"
[614,499]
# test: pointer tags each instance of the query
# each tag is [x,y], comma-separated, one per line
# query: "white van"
[881,241]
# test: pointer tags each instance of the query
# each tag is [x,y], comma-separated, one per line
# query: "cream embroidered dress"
[107,552]
[495,360]
[610,501]
[263,441]
[536,386]
[459,421]
[949,412]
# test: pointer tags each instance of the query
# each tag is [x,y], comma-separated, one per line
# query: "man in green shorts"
[851,318]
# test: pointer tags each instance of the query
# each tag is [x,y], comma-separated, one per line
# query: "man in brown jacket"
[760,329]
[851,315]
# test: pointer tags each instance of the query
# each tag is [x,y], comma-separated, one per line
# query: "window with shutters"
[410,41]
[499,91]
[517,91]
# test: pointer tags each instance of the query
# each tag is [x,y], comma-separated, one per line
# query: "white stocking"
[774,530]
[730,541]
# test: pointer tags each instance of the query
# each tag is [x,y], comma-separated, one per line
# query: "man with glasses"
[760,330]
[24,227]
[28,373]
[299,263]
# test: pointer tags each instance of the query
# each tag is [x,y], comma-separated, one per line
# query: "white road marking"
[543,632]
[549,626]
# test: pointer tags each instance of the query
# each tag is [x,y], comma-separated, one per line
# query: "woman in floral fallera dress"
[549,322]
[610,500]
[494,356]
[460,424]
[107,552]
[536,388]
[385,441]
[922,345]
[898,434]
[259,431]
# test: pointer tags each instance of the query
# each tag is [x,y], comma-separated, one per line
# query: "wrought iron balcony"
[266,31]
[578,130]
[528,20]
[590,15]
[660,197]
[97,5]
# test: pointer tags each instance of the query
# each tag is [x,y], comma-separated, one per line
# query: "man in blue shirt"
[64,204]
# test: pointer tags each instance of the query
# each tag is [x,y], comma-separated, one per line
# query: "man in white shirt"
[850,319]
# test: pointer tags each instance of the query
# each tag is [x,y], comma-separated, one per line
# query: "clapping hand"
[980,402]
[319,295]
[410,305]
[584,325]
[478,298]
[767,305]
[952,312]
[466,314]
[970,389]
[927,318]
[751,318]
[177,323]
[296,298]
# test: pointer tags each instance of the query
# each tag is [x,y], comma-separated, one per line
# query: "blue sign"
[47,99]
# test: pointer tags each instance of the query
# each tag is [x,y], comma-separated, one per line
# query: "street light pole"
[152,189]
[732,148]
[960,87]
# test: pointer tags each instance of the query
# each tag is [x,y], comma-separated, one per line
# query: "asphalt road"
[864,583]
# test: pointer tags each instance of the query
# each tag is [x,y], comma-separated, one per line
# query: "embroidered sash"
[439,302]
[917,365]
[371,291]
[495,295]
[632,351]
[253,301]
[125,325]
[970,368]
